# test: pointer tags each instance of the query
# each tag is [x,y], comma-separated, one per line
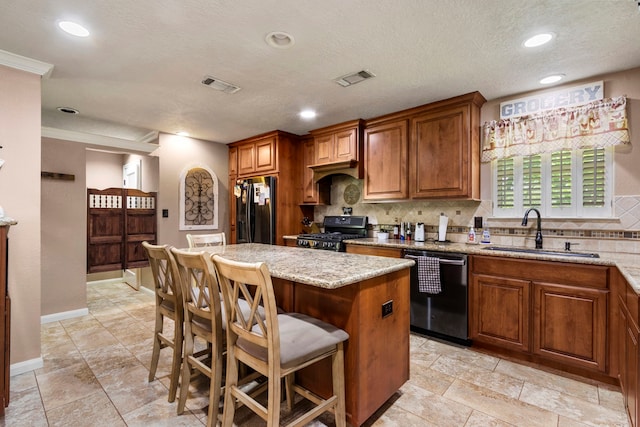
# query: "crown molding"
[25,64]
[100,140]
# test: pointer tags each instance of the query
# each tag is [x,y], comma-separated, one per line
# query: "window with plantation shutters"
[561,188]
[561,184]
[504,178]
[593,177]
[532,181]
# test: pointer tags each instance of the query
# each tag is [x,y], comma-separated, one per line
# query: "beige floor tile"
[22,382]
[93,410]
[580,389]
[25,409]
[611,397]
[130,389]
[495,381]
[110,360]
[436,410]
[567,422]
[429,379]
[159,413]
[66,385]
[395,417]
[479,419]
[571,407]
[500,406]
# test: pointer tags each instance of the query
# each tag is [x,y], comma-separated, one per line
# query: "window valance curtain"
[597,124]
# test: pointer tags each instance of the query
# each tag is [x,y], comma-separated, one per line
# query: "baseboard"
[26,366]
[55,317]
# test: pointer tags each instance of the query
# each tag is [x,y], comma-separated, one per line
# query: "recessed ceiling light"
[73,28]
[539,40]
[308,114]
[552,79]
[68,110]
[280,40]
[182,133]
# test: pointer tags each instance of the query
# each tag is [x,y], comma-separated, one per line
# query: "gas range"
[336,229]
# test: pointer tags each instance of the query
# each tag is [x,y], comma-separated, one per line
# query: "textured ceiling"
[141,68]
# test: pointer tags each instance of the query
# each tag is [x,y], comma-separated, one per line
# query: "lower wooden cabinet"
[628,335]
[548,311]
[500,311]
[569,324]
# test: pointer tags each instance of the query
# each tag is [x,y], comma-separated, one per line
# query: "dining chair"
[168,304]
[204,240]
[202,320]
[276,346]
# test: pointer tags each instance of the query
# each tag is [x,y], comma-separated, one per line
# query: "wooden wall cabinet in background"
[338,149]
[276,154]
[313,193]
[427,152]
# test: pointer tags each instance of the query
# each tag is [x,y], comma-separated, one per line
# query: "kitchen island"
[367,296]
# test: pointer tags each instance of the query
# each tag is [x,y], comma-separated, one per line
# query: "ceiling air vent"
[353,78]
[220,85]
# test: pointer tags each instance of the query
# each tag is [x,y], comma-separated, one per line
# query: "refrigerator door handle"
[250,191]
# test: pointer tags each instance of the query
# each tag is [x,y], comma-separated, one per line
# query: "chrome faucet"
[538,225]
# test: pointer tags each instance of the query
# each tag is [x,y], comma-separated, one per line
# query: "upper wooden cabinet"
[385,160]
[338,148]
[313,193]
[258,156]
[445,150]
[426,152]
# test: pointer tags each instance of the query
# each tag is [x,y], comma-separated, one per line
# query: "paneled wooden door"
[118,221]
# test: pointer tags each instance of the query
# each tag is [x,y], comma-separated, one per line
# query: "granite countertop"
[627,263]
[5,220]
[324,269]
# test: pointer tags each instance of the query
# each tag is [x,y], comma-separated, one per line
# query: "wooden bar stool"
[168,304]
[276,346]
[204,240]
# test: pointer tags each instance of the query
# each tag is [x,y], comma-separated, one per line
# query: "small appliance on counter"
[442,229]
[419,232]
[336,229]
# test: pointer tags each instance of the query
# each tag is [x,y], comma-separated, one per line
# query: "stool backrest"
[204,240]
[165,275]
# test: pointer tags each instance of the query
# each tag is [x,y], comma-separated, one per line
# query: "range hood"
[348,167]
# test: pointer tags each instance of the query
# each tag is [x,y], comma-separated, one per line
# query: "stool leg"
[157,344]
[337,373]
[175,364]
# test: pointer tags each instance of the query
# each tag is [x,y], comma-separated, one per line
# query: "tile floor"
[96,367]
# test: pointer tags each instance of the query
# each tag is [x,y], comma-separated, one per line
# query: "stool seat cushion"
[302,338]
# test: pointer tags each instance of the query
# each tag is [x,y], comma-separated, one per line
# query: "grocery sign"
[567,97]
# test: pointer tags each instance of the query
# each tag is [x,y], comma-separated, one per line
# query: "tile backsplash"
[620,234]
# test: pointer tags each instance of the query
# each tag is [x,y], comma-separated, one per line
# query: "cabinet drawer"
[583,275]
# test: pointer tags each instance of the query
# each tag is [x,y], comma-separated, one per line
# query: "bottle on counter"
[408,231]
[486,237]
[472,236]
[402,231]
[395,231]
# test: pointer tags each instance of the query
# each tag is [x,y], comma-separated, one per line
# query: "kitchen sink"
[542,251]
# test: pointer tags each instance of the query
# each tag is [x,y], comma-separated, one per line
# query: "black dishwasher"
[442,315]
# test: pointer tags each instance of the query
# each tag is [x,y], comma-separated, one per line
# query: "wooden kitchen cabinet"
[569,324]
[258,157]
[427,152]
[338,148]
[444,149]
[553,312]
[385,161]
[500,314]
[313,193]
[276,154]
[627,346]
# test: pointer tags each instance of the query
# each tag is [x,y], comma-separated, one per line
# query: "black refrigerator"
[255,210]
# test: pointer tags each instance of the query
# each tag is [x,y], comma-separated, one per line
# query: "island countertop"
[324,269]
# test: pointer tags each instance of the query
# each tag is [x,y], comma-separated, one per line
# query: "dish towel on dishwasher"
[428,274]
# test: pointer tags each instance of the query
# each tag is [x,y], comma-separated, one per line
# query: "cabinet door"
[246,159]
[266,155]
[345,146]
[439,154]
[499,311]
[570,324]
[323,149]
[233,161]
[628,361]
[385,161]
